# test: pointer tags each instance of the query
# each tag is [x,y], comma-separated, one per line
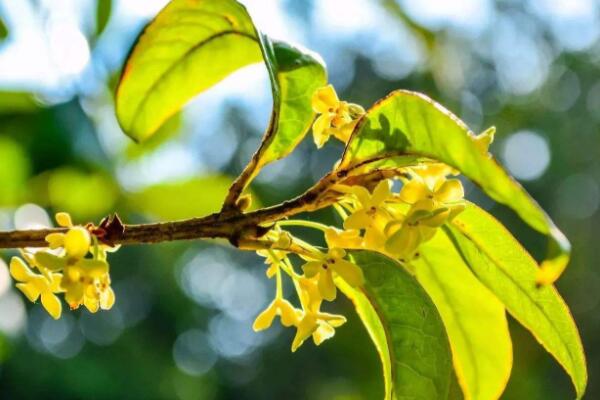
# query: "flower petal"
[306,327]
[288,313]
[381,192]
[312,268]
[324,99]
[265,318]
[374,239]
[63,219]
[358,220]
[413,191]
[50,261]
[321,129]
[19,270]
[404,242]
[77,242]
[55,240]
[334,320]
[451,190]
[349,239]
[29,290]
[363,196]
[326,285]
[107,299]
[350,272]
[52,304]
[91,303]
[323,332]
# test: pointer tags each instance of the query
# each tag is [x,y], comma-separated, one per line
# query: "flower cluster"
[395,224]
[74,263]
[336,118]
[316,284]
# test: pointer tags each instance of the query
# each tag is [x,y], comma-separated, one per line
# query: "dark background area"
[181,327]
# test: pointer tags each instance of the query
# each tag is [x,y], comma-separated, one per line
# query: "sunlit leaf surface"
[474,318]
[187,48]
[505,267]
[406,329]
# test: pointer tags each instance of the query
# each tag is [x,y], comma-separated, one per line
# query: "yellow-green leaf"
[296,74]
[189,198]
[507,269]
[474,318]
[409,123]
[187,48]
[192,45]
[405,328]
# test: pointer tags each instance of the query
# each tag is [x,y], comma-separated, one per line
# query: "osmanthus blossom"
[312,288]
[323,267]
[336,118]
[313,322]
[73,264]
[35,286]
[278,307]
[370,212]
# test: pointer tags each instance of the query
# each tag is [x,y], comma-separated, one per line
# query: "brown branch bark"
[231,225]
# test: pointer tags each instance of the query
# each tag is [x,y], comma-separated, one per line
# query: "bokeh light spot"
[526,155]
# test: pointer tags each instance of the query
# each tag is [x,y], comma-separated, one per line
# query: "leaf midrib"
[537,306]
[176,63]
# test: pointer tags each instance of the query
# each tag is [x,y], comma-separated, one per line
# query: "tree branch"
[231,225]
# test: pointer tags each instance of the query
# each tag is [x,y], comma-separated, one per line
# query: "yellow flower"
[87,282]
[35,286]
[406,234]
[336,118]
[429,190]
[281,307]
[343,239]
[84,280]
[272,258]
[325,265]
[371,213]
[314,322]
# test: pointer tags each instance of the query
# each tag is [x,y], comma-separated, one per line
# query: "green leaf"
[169,130]
[103,11]
[474,318]
[409,123]
[505,267]
[405,327]
[296,74]
[189,47]
[194,197]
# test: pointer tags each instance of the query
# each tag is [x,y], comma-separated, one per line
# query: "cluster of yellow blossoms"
[380,220]
[337,118]
[74,264]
